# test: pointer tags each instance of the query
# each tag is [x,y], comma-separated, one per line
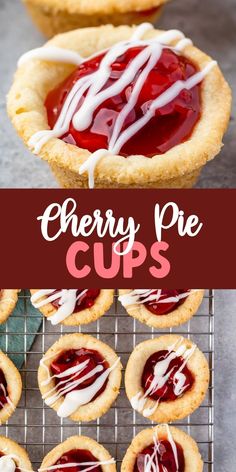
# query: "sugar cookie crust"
[14,386]
[178,316]
[103,402]
[102,303]
[8,447]
[8,300]
[183,406]
[79,442]
[35,79]
[89,7]
[192,457]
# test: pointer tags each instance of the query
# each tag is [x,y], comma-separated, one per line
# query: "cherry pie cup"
[166,378]
[173,449]
[79,377]
[72,307]
[12,455]
[10,387]
[138,107]
[77,450]
[161,308]
[58,16]
[8,300]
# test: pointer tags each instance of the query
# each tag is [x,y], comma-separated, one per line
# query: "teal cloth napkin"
[24,319]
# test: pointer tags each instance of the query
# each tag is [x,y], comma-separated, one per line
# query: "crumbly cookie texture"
[178,316]
[9,447]
[14,386]
[102,303]
[179,167]
[79,442]
[58,17]
[98,6]
[103,402]
[181,407]
[8,300]
[192,457]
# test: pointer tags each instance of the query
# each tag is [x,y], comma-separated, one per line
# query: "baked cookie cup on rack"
[10,387]
[161,308]
[72,307]
[78,450]
[58,16]
[79,377]
[8,301]
[13,458]
[166,378]
[121,107]
[169,447]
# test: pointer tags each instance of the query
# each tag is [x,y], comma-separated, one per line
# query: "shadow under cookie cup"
[177,168]
[55,17]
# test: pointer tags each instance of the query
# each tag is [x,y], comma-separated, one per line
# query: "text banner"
[118,238]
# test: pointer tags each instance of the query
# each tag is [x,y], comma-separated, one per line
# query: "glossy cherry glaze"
[171,125]
[3,390]
[86,301]
[165,308]
[164,456]
[74,357]
[166,393]
[76,456]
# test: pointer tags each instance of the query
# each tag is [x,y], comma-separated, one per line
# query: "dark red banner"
[118,238]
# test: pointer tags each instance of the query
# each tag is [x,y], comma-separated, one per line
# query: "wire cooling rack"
[38,428]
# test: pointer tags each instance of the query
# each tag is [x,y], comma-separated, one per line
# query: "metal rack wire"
[37,427]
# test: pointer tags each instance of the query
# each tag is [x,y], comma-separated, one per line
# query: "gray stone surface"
[210,23]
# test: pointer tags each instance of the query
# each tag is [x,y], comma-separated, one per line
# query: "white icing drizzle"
[51,54]
[42,364]
[7,463]
[151,461]
[9,403]
[173,445]
[140,296]
[67,300]
[161,376]
[73,399]
[91,465]
[94,82]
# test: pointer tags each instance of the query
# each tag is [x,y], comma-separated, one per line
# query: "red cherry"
[172,124]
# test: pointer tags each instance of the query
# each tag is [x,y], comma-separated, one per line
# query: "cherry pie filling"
[166,393]
[158,308]
[171,125]
[74,357]
[77,456]
[3,390]
[85,301]
[164,455]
